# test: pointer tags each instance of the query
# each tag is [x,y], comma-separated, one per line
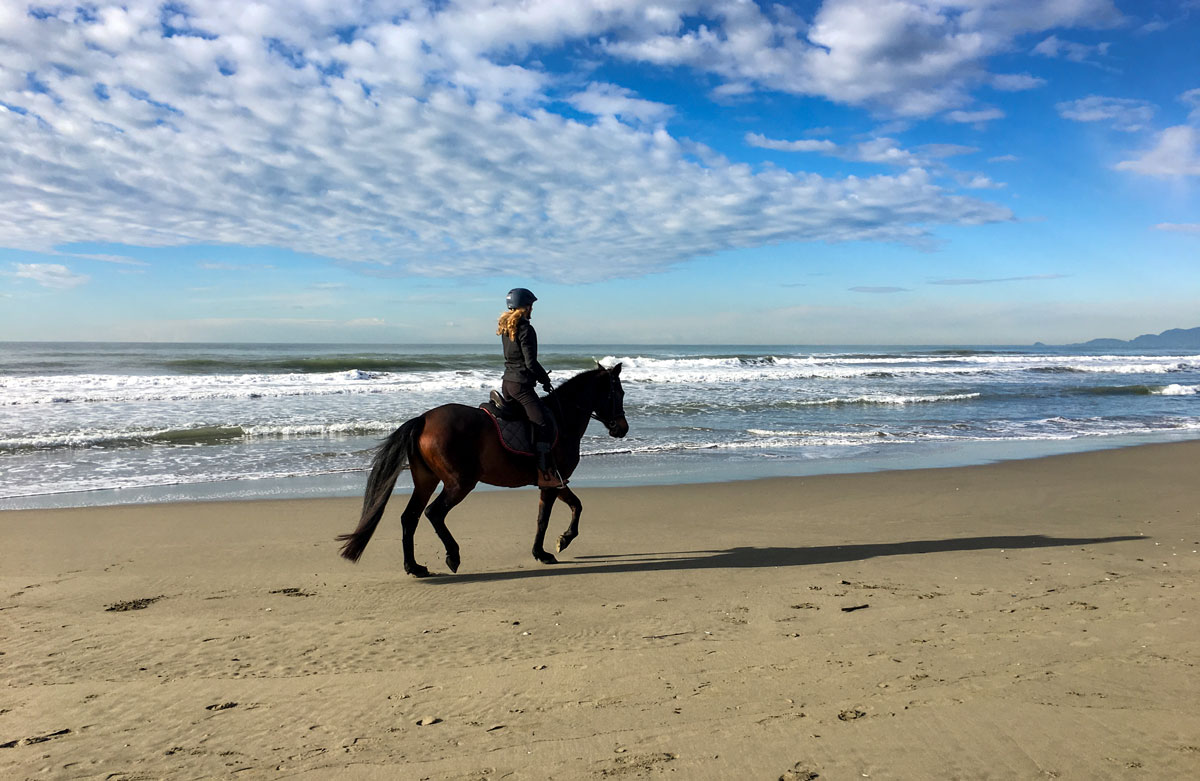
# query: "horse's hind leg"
[571,500]
[545,505]
[424,482]
[452,493]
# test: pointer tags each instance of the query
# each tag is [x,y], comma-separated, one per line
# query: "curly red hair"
[507,326]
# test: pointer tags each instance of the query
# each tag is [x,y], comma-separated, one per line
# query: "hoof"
[452,562]
[546,558]
[417,571]
[563,542]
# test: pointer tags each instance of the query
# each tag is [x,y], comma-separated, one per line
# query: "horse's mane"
[571,385]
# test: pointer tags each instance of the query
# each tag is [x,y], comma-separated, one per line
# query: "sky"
[668,172]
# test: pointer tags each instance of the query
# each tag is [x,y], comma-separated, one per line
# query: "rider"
[521,371]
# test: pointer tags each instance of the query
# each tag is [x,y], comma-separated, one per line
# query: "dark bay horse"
[459,447]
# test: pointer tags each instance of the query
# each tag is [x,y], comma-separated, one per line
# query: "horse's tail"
[397,450]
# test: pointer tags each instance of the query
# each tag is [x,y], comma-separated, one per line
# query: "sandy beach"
[1028,619]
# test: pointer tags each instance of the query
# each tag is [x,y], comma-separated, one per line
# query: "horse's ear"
[616,370]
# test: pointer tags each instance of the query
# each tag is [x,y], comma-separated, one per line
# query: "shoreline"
[649,470]
[1021,619]
[132,425]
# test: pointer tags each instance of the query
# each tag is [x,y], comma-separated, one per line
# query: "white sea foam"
[75,439]
[102,388]
[884,398]
[105,483]
[1055,428]
[735,369]
[193,435]
[1178,390]
[701,371]
[808,438]
[355,428]
[83,431]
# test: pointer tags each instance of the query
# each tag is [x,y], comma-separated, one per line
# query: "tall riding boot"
[548,475]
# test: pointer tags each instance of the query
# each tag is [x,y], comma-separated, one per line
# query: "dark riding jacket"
[520,356]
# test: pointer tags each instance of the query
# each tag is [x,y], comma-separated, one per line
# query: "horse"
[459,447]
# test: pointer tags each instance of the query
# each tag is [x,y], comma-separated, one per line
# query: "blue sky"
[837,172]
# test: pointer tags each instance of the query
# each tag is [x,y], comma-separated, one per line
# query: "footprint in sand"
[292,592]
[35,739]
[133,604]
[799,773]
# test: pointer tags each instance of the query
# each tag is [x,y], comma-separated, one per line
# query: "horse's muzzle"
[618,428]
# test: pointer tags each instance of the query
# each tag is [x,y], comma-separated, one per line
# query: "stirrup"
[550,479]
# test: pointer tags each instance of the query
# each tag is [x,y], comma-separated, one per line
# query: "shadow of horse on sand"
[755,558]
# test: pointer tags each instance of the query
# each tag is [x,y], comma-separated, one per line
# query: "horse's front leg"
[571,500]
[545,505]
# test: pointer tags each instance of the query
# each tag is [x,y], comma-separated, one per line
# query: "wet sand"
[1030,619]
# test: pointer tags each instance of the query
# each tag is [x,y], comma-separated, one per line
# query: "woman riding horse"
[521,371]
[459,447]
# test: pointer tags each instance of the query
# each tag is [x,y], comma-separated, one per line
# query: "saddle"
[512,424]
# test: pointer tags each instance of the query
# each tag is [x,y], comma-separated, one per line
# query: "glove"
[546,386]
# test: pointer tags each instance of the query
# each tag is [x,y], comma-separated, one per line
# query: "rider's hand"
[546,386]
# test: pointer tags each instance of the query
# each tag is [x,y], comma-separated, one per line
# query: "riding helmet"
[519,298]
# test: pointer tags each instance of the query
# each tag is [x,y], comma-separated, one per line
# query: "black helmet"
[519,298]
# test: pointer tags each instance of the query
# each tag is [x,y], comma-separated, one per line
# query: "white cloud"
[885,151]
[1192,98]
[980,182]
[1054,47]
[612,100]
[1125,114]
[802,145]
[52,275]
[1176,154]
[1003,159]
[975,117]
[1179,227]
[973,281]
[911,58]
[1027,16]
[1016,82]
[876,150]
[921,58]
[878,289]
[422,136]
[120,260]
[947,150]
[882,150]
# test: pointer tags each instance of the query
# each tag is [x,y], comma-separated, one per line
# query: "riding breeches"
[535,410]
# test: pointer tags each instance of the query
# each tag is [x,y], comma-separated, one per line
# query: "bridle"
[612,399]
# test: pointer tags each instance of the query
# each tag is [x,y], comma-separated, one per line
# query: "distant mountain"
[1174,338]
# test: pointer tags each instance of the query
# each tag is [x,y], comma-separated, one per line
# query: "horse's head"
[609,408]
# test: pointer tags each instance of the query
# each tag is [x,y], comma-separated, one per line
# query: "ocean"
[106,423]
